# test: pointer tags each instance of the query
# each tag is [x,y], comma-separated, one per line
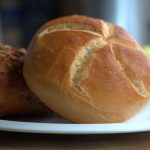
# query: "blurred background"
[19,19]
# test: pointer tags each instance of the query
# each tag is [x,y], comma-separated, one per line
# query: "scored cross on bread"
[88,70]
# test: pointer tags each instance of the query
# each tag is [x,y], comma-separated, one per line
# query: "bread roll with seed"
[88,70]
[15,97]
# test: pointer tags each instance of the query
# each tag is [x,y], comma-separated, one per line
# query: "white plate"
[57,125]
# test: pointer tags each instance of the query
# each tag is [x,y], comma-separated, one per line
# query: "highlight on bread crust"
[15,97]
[88,70]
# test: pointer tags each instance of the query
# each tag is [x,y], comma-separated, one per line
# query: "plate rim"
[72,128]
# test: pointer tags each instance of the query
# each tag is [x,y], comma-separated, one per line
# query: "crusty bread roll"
[15,97]
[88,70]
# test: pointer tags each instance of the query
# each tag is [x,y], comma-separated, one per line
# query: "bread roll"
[88,70]
[15,97]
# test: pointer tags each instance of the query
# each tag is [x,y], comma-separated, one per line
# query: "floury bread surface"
[88,70]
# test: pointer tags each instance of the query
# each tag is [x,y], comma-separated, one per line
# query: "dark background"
[19,19]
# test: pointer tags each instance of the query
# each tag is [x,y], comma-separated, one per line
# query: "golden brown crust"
[88,70]
[15,96]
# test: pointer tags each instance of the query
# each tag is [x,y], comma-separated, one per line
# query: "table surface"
[24,141]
